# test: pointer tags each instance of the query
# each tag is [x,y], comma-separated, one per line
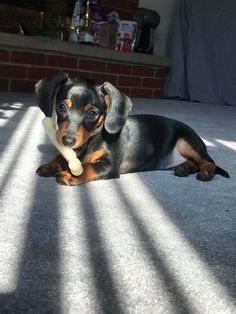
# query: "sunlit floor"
[144,243]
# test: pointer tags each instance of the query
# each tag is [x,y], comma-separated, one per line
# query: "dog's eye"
[61,107]
[92,114]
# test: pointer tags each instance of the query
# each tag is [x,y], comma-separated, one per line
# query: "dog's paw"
[47,170]
[181,171]
[66,178]
[205,175]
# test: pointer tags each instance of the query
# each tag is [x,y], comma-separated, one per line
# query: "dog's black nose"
[68,140]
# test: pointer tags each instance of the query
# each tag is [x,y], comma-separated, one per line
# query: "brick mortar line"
[27,72]
[87,58]
[71,54]
[18,79]
[77,69]
[119,85]
[115,78]
[141,88]
[133,65]
[120,74]
[83,57]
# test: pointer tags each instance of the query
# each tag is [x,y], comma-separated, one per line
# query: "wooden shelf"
[62,47]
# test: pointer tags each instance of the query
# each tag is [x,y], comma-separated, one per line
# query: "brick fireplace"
[24,60]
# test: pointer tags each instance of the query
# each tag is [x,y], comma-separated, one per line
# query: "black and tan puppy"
[95,122]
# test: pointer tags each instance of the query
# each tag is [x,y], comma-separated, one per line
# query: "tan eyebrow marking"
[68,102]
[88,107]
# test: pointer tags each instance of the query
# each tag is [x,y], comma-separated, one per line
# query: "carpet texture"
[145,243]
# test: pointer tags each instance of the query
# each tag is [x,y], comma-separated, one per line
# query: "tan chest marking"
[94,156]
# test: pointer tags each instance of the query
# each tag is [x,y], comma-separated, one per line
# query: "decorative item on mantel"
[85,32]
[75,22]
[104,27]
[126,35]
[91,25]
[147,20]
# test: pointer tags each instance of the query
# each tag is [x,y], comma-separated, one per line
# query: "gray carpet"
[145,243]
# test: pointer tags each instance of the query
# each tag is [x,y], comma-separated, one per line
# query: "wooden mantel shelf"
[57,46]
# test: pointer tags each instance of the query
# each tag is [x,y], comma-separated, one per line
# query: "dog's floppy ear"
[45,91]
[118,108]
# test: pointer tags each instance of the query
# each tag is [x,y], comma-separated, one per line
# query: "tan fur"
[68,102]
[94,156]
[187,151]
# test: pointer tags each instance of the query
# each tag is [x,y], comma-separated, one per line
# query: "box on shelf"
[105,34]
[126,35]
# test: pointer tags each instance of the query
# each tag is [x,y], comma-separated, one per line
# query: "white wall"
[164,8]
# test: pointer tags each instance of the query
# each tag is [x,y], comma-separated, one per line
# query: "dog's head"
[82,108]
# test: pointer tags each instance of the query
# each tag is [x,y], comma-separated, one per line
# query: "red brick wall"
[21,69]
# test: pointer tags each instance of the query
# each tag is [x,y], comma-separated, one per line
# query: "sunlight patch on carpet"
[76,277]
[192,274]
[14,148]
[208,143]
[12,232]
[229,144]
[7,111]
[138,281]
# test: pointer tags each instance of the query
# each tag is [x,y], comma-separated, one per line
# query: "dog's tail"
[222,172]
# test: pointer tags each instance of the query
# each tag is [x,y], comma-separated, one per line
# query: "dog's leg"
[199,156]
[66,177]
[207,170]
[96,165]
[91,172]
[186,168]
[52,168]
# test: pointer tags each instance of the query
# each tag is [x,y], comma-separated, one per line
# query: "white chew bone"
[68,153]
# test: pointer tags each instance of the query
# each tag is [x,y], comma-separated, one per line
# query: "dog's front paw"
[66,178]
[47,170]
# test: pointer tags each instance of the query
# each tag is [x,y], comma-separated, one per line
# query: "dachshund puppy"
[94,121]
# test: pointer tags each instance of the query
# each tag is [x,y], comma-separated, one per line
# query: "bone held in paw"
[67,152]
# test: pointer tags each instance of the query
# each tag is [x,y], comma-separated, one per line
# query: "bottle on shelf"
[84,30]
[75,22]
